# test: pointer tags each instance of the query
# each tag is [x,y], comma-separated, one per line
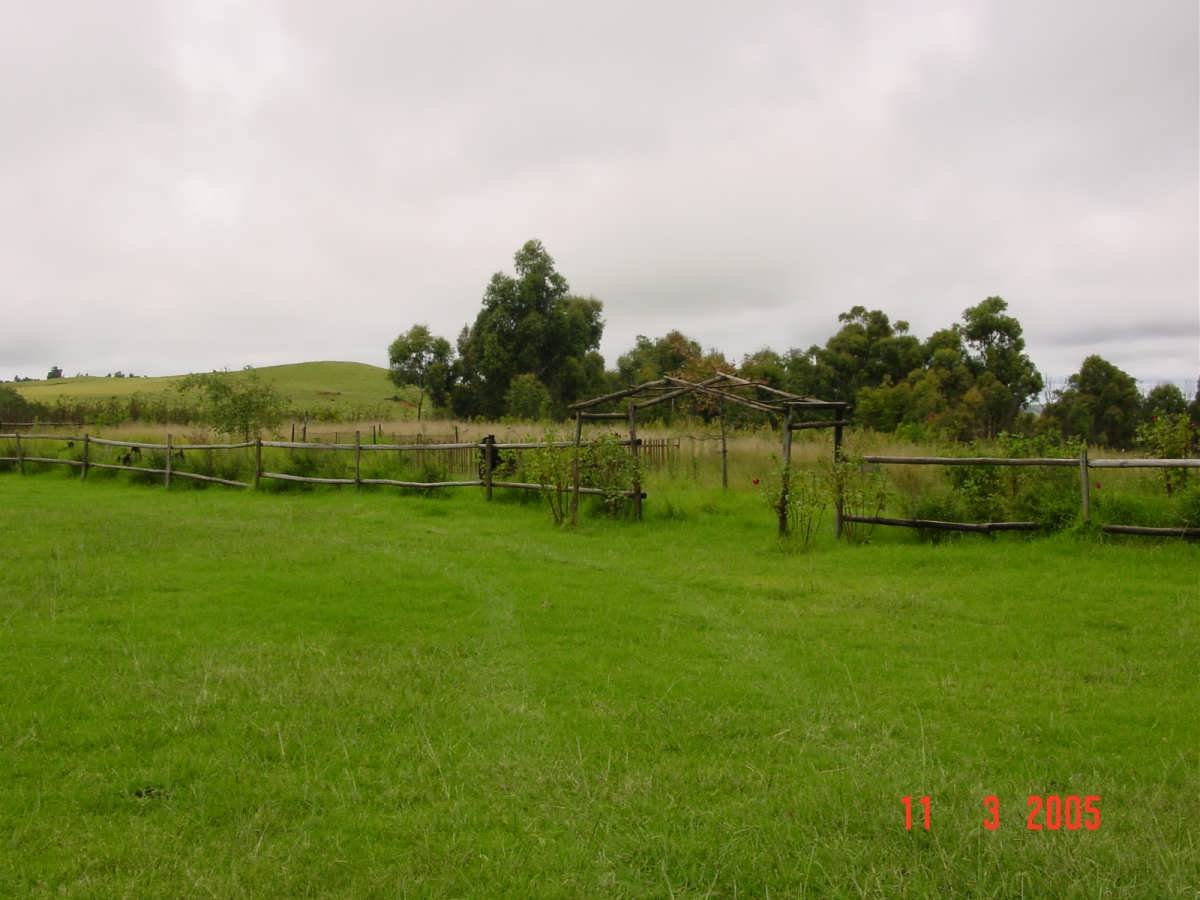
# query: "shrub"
[240,403]
[981,491]
[1168,437]
[1189,507]
[806,502]
[863,491]
[608,465]
[938,506]
[552,467]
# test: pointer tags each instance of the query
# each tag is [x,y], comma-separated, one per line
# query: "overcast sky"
[188,186]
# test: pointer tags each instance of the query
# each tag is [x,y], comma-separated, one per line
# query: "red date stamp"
[1050,812]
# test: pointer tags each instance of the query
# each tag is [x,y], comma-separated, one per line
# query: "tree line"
[533,349]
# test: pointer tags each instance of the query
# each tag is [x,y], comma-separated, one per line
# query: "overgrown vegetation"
[244,405]
[1169,436]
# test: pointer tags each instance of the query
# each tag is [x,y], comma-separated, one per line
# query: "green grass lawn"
[311,386]
[211,692]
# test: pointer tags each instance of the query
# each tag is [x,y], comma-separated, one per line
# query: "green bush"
[605,464]
[1168,437]
[939,506]
[863,490]
[1188,507]
[807,499]
[1130,509]
[980,490]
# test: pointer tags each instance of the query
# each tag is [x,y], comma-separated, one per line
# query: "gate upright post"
[1085,487]
[839,501]
[785,478]
[633,448]
[575,469]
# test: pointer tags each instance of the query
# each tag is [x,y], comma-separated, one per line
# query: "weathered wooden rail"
[482,453]
[1082,462]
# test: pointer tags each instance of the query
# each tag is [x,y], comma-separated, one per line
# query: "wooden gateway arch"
[791,411]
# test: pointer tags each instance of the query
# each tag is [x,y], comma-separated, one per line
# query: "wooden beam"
[971,461]
[615,395]
[802,426]
[1145,464]
[575,469]
[421,484]
[1085,486]
[678,392]
[938,525]
[280,476]
[744,401]
[1155,532]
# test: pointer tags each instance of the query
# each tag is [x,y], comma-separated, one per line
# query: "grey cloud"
[302,180]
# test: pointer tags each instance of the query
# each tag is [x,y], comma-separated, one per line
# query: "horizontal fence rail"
[969,461]
[938,525]
[1082,462]
[472,454]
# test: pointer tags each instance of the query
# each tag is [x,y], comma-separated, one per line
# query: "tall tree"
[865,351]
[529,324]
[421,359]
[996,349]
[651,359]
[1100,403]
[1164,400]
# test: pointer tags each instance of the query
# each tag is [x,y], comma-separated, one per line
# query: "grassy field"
[371,694]
[310,386]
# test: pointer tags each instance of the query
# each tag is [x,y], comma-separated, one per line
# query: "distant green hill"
[313,387]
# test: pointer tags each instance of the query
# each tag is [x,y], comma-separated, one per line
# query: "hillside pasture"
[323,390]
[365,693]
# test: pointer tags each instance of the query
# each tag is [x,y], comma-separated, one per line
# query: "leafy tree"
[996,348]
[55,372]
[423,360]
[14,407]
[650,360]
[1168,436]
[240,403]
[529,324]
[1164,400]
[767,366]
[1100,404]
[527,398]
[867,349]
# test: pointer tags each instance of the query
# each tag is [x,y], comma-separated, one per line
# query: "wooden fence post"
[258,459]
[357,460]
[633,448]
[167,471]
[575,469]
[839,500]
[86,443]
[1085,486]
[785,478]
[488,441]
[20,454]
[724,452]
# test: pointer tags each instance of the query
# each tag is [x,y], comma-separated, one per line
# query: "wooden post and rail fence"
[486,450]
[1084,464]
